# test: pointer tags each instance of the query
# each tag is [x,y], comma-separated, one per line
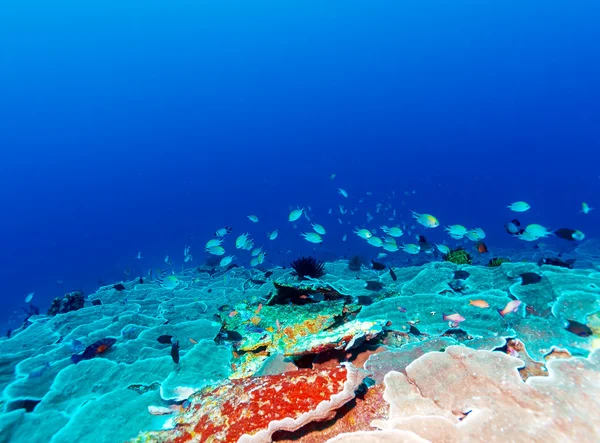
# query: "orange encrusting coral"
[311,326]
[247,406]
[349,418]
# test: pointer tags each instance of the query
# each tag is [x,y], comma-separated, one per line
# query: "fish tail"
[444,317]
[501,313]
[76,358]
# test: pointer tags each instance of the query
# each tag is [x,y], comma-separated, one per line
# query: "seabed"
[266,356]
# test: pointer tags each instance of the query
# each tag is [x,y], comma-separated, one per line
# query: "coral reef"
[255,334]
[71,301]
[467,395]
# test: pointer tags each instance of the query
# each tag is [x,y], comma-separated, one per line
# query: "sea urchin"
[308,266]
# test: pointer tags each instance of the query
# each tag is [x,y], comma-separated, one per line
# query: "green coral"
[497,261]
[458,256]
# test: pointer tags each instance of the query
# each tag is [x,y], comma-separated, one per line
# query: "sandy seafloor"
[47,398]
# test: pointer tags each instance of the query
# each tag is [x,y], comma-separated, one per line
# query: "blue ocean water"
[148,125]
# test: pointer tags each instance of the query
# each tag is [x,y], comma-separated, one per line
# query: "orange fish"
[511,306]
[192,341]
[481,247]
[258,309]
[232,314]
[479,303]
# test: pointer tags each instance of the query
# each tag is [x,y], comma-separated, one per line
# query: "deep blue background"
[146,125]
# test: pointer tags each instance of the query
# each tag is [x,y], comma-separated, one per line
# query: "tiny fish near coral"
[530,278]
[175,352]
[312,237]
[165,339]
[479,303]
[511,306]
[454,319]
[94,349]
[378,266]
[577,328]
[519,206]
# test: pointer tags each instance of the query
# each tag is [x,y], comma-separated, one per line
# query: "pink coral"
[464,395]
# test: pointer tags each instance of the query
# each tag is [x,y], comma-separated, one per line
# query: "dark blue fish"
[577,328]
[374,285]
[530,278]
[461,275]
[364,300]
[175,352]
[378,266]
[514,227]
[557,262]
[165,339]
[231,335]
[94,349]
[414,331]
[567,234]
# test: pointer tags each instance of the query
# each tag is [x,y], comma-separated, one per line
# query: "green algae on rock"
[497,261]
[458,256]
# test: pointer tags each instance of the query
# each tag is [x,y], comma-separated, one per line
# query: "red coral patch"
[248,405]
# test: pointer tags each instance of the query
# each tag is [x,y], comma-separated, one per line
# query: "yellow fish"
[479,303]
[427,220]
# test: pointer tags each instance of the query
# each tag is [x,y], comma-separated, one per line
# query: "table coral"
[463,395]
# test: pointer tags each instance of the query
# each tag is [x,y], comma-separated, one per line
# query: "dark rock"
[72,301]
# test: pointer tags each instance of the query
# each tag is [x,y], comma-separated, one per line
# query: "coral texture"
[250,410]
[464,395]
